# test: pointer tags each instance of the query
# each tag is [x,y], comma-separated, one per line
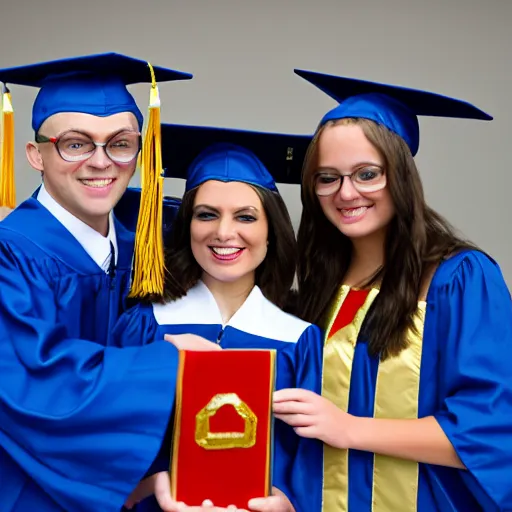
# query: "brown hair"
[275,274]
[417,239]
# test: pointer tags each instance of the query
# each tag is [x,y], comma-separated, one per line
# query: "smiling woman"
[231,263]
[410,392]
[232,234]
[228,232]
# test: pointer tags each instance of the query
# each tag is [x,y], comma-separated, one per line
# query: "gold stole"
[395,481]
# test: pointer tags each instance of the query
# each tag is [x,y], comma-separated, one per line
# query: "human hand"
[191,342]
[278,502]
[314,416]
[208,506]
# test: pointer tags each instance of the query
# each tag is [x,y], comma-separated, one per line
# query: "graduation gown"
[456,368]
[80,419]
[258,324]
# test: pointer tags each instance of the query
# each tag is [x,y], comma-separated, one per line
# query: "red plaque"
[223,427]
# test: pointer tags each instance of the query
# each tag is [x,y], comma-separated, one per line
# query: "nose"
[347,190]
[225,229]
[99,159]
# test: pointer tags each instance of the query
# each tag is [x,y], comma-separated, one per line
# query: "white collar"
[256,316]
[199,306]
[246,309]
[95,245]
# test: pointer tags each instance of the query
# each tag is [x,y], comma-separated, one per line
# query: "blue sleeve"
[136,327]
[82,420]
[475,333]
[297,363]
[309,362]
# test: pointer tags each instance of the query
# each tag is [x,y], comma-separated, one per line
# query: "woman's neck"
[367,259]
[229,296]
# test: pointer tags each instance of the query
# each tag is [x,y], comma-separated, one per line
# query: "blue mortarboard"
[228,163]
[395,107]
[92,84]
[201,153]
[197,153]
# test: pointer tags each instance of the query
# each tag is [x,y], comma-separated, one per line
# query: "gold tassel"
[7,178]
[149,264]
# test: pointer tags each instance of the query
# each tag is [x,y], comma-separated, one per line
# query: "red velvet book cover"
[222,440]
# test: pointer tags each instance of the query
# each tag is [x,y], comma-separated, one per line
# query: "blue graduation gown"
[81,420]
[464,382]
[257,324]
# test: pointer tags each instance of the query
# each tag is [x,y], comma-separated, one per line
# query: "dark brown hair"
[417,239]
[275,274]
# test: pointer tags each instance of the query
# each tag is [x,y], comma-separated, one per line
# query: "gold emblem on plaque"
[225,440]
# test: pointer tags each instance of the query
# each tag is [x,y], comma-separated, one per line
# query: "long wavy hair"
[275,274]
[417,239]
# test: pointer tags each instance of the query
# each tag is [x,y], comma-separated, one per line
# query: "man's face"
[89,188]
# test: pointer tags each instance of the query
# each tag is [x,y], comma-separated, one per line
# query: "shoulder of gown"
[135,327]
[470,307]
[75,414]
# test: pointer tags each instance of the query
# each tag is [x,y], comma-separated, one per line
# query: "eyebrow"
[216,210]
[84,132]
[360,164]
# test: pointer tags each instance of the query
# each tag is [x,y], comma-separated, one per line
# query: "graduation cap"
[280,155]
[97,85]
[395,107]
[90,84]
[200,153]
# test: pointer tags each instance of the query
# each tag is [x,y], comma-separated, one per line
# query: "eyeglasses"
[366,179]
[74,146]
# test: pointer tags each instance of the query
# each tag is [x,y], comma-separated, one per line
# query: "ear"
[34,156]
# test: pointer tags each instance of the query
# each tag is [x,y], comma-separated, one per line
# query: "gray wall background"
[242,54]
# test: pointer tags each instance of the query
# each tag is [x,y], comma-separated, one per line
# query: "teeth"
[354,212]
[224,251]
[98,183]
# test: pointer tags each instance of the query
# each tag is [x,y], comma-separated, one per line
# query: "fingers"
[191,342]
[293,394]
[271,504]
[311,432]
[297,420]
[292,407]
[163,493]
[208,506]
[175,506]
[278,502]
